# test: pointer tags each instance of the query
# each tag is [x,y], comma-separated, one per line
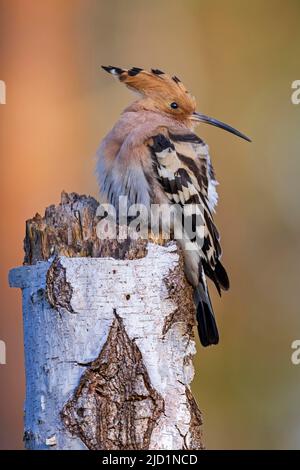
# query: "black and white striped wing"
[183,168]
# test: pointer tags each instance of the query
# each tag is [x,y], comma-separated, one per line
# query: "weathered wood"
[70,229]
[108,331]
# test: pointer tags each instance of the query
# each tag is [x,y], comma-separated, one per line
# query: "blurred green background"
[239,59]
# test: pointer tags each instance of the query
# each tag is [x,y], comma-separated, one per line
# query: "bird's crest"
[156,85]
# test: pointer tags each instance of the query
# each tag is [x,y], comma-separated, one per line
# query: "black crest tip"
[157,72]
[112,70]
[176,79]
[134,71]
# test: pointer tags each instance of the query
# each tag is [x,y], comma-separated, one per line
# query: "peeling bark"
[58,290]
[115,405]
[185,309]
[196,422]
[117,374]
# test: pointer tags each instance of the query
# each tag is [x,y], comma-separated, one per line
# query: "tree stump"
[108,333]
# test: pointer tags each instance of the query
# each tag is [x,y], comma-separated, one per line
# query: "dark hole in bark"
[80,412]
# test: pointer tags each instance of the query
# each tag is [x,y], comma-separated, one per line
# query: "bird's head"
[161,93]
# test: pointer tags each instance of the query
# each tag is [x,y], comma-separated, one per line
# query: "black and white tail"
[207,326]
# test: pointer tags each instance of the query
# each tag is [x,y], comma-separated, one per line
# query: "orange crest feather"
[162,89]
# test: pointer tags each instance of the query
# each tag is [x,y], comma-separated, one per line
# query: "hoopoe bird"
[153,156]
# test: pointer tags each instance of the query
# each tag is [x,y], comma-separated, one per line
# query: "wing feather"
[183,167]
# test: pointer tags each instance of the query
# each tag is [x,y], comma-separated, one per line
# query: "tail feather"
[207,327]
[221,275]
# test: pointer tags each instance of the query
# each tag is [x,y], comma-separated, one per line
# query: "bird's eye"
[174,105]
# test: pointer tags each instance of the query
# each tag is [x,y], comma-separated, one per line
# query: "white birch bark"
[108,353]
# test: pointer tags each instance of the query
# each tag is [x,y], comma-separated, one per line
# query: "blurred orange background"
[239,59]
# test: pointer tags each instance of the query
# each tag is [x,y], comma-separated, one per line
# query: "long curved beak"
[214,122]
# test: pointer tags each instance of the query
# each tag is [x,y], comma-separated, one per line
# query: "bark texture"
[108,331]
